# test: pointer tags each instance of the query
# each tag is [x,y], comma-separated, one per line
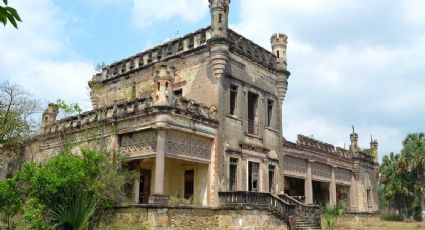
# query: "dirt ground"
[376,224]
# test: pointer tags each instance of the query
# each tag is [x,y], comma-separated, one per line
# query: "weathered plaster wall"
[186,218]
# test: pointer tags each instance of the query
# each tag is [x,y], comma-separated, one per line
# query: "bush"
[174,200]
[331,213]
[66,191]
[10,202]
[391,217]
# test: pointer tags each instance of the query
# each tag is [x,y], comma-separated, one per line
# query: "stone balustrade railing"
[313,144]
[257,199]
[159,53]
[145,105]
[310,213]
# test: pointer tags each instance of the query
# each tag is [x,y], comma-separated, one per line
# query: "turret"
[219,45]
[49,115]
[354,138]
[219,17]
[163,76]
[374,148]
[279,42]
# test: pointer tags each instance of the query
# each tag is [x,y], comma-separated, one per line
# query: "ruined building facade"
[202,114]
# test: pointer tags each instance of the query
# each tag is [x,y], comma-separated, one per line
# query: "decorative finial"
[352,127]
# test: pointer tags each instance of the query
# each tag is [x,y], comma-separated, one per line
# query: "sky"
[353,62]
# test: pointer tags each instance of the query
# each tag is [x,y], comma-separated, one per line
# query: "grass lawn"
[394,225]
[377,224]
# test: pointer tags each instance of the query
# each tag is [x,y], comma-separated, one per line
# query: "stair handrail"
[310,212]
[258,199]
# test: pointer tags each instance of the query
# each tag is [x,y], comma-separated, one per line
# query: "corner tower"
[279,43]
[219,17]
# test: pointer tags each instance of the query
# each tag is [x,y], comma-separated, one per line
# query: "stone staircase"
[304,224]
[307,217]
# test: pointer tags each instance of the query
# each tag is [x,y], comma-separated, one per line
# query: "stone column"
[332,187]
[308,185]
[353,194]
[137,187]
[159,197]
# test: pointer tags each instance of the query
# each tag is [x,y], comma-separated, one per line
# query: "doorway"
[188,184]
[145,186]
[253,176]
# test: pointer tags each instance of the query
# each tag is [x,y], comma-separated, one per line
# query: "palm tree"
[413,154]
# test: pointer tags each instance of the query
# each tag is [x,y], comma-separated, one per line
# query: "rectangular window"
[188,184]
[178,92]
[220,18]
[369,201]
[271,178]
[233,98]
[269,112]
[233,172]
[253,176]
[252,113]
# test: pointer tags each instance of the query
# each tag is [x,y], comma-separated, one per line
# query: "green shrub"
[174,200]
[391,217]
[331,213]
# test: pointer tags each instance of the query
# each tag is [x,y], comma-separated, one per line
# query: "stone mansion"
[200,117]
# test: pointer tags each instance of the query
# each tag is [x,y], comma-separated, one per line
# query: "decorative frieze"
[295,165]
[321,170]
[141,142]
[343,175]
[178,143]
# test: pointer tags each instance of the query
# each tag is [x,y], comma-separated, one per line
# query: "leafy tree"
[66,191]
[331,213]
[9,14]
[67,109]
[10,202]
[16,125]
[413,154]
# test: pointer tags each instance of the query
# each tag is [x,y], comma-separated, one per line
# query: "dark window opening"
[178,92]
[253,176]
[277,54]
[369,201]
[233,167]
[144,189]
[158,85]
[220,18]
[269,112]
[188,184]
[233,97]
[166,85]
[252,113]
[271,178]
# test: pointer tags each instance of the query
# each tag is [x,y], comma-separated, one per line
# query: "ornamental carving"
[143,142]
[295,165]
[321,170]
[343,175]
[178,143]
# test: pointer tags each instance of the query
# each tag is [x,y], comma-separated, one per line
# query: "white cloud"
[146,12]
[36,55]
[352,63]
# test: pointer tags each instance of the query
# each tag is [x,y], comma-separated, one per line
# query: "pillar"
[308,185]
[332,188]
[353,194]
[158,196]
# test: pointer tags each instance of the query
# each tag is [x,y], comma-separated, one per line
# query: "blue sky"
[352,62]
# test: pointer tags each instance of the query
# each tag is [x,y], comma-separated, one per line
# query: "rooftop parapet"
[138,106]
[157,54]
[313,144]
[251,50]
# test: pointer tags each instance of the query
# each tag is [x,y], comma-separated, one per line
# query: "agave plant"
[331,213]
[74,213]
